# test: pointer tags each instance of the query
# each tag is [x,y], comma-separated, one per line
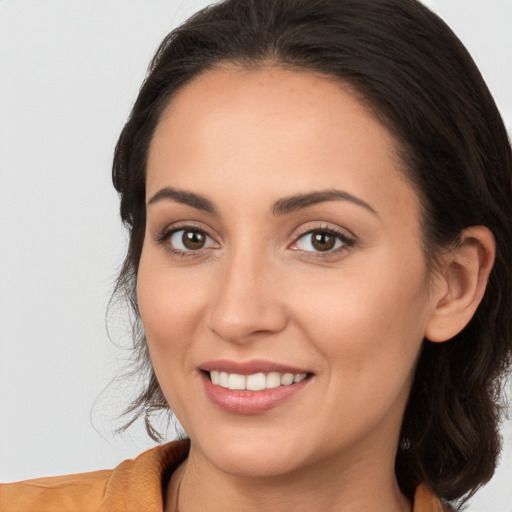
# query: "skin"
[354,317]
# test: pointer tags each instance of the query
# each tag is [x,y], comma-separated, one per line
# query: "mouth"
[253,387]
[255,381]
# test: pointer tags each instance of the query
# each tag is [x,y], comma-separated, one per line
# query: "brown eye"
[323,241]
[193,240]
[190,240]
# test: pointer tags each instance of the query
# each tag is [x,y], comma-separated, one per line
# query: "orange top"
[133,486]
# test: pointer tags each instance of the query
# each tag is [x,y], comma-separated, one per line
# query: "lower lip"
[250,402]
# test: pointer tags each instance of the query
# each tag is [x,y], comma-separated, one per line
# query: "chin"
[254,455]
[254,464]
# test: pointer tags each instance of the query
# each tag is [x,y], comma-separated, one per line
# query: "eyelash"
[347,241]
[164,236]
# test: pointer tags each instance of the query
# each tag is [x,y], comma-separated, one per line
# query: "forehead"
[276,131]
[263,100]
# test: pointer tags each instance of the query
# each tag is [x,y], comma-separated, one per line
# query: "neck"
[199,486]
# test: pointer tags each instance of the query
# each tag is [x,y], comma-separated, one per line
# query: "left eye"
[187,240]
[319,241]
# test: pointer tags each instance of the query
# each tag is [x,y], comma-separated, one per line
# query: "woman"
[319,203]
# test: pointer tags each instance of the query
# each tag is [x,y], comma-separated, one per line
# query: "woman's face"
[282,244]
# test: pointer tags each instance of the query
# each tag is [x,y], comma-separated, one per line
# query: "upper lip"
[249,367]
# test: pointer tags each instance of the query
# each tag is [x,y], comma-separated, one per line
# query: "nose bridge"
[245,301]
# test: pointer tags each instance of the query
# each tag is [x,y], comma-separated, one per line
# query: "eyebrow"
[280,207]
[181,196]
[298,202]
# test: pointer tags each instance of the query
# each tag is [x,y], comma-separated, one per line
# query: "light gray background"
[69,72]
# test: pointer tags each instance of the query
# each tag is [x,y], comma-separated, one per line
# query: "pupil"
[193,240]
[323,241]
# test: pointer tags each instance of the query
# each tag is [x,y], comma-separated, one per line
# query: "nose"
[246,301]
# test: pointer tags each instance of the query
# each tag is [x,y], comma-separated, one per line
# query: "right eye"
[188,240]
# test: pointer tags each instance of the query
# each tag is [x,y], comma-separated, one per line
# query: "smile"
[255,381]
[252,387]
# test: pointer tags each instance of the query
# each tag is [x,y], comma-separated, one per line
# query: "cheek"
[169,308]
[368,321]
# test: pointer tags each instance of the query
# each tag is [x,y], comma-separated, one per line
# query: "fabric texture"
[133,486]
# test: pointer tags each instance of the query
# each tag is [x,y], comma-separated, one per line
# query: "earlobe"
[463,279]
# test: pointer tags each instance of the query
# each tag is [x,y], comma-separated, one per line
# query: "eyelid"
[347,238]
[162,237]
[208,240]
[182,224]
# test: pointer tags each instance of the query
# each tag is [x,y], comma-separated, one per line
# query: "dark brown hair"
[416,76]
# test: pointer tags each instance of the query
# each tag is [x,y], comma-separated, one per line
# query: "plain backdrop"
[69,72]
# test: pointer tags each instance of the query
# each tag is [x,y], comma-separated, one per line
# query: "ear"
[460,284]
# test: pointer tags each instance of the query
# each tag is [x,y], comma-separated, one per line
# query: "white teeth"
[287,379]
[224,379]
[256,381]
[273,380]
[236,381]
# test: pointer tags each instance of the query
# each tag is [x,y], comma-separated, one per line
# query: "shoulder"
[134,485]
[55,493]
